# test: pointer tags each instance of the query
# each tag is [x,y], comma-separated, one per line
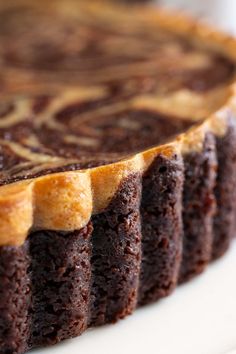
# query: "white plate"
[198,318]
[221,13]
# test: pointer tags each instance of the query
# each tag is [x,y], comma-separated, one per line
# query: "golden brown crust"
[66,200]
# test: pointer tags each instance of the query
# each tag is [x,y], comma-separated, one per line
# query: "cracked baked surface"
[118,165]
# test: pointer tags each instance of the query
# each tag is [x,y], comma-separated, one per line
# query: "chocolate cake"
[118,162]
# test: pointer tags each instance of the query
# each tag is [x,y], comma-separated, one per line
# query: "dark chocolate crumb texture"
[118,162]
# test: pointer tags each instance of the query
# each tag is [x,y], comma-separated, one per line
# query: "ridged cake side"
[225,190]
[161,209]
[116,255]
[15,299]
[133,253]
[198,208]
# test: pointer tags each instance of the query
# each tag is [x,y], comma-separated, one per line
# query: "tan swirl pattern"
[79,90]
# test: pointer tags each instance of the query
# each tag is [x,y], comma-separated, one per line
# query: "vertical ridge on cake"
[60,281]
[15,299]
[225,190]
[161,228]
[116,255]
[198,208]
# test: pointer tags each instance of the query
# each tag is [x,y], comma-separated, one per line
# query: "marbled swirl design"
[78,89]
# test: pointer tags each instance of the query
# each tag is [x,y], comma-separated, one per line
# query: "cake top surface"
[84,85]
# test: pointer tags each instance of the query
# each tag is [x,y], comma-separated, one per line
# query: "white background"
[221,13]
[200,317]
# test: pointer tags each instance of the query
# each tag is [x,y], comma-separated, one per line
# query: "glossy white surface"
[200,317]
[221,13]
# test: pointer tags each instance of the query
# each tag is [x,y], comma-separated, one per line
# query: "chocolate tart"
[118,162]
